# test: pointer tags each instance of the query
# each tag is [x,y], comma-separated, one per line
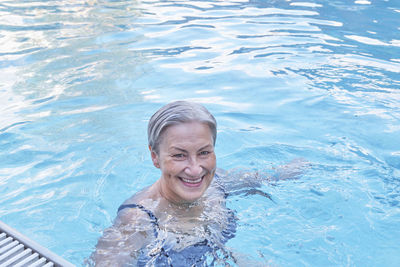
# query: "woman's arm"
[122,242]
[292,170]
[236,182]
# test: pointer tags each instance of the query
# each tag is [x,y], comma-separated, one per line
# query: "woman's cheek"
[213,161]
[174,165]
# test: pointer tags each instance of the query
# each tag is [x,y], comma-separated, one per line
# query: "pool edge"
[34,246]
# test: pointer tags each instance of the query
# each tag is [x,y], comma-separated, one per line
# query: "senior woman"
[180,220]
[182,217]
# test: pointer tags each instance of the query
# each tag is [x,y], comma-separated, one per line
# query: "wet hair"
[175,113]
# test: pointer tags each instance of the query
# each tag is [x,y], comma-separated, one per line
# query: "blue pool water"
[318,80]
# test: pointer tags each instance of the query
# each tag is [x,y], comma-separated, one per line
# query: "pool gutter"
[18,250]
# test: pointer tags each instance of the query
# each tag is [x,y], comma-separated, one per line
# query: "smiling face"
[187,161]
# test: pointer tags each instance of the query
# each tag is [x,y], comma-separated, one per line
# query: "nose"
[193,169]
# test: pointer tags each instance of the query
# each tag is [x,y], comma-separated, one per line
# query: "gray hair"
[175,113]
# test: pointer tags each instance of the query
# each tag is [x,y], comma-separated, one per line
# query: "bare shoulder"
[136,210]
[131,217]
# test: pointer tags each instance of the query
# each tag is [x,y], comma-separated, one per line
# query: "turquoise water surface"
[317,80]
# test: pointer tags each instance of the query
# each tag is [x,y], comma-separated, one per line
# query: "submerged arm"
[292,170]
[122,242]
[236,182]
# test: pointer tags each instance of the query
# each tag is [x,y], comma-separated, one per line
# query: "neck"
[171,200]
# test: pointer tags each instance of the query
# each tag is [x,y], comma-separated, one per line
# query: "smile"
[191,182]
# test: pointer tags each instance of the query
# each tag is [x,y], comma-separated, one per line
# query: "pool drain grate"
[17,250]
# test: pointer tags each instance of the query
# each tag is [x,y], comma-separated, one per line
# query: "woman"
[182,218]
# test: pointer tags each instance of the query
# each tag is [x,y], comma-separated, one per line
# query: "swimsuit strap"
[154,220]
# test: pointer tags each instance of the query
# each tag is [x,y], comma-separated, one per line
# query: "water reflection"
[316,79]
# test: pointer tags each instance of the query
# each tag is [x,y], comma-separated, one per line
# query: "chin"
[187,194]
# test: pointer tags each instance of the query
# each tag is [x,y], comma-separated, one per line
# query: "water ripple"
[285,79]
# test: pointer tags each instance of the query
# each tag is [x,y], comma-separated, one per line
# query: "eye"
[178,156]
[204,153]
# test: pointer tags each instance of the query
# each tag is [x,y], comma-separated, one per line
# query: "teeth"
[192,181]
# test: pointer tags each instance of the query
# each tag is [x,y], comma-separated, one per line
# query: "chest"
[188,226]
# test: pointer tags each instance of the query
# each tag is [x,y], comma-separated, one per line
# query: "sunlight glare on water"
[317,80]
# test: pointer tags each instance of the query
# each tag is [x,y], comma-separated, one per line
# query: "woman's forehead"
[196,132]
